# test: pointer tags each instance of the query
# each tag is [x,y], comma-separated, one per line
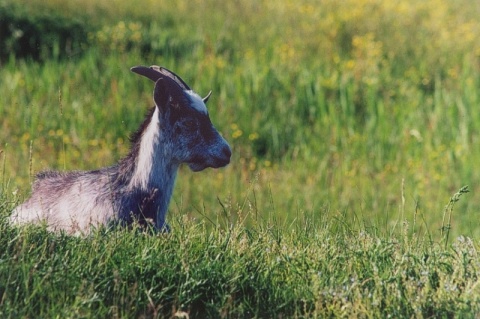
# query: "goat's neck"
[150,163]
[149,168]
[161,182]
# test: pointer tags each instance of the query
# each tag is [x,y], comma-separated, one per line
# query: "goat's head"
[184,121]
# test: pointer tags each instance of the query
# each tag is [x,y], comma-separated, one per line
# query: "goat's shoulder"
[93,185]
[53,179]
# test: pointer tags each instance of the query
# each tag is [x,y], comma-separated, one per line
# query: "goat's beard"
[196,167]
[199,163]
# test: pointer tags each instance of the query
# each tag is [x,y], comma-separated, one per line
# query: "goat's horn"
[205,99]
[156,72]
[149,72]
[172,76]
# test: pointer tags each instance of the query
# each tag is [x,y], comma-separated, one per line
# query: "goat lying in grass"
[176,130]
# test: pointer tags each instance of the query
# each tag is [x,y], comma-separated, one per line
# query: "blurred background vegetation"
[365,110]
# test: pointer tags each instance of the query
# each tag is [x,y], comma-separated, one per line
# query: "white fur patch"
[74,211]
[144,165]
[197,102]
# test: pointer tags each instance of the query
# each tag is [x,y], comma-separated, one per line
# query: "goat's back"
[70,201]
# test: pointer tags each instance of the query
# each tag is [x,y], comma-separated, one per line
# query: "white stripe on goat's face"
[197,102]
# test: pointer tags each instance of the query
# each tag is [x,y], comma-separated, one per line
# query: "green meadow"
[352,190]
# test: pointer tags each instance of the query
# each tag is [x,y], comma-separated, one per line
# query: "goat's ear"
[205,99]
[161,94]
[166,90]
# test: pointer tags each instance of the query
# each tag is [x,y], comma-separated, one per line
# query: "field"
[352,190]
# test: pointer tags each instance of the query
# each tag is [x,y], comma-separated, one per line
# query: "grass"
[353,126]
[315,268]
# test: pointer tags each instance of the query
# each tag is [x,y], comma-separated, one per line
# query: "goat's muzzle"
[224,159]
[220,159]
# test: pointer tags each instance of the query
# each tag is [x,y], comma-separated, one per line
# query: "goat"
[139,187]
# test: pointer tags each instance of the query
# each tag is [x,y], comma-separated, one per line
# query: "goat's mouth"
[198,166]
[220,159]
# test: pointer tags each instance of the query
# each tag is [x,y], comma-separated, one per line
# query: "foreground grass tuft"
[329,269]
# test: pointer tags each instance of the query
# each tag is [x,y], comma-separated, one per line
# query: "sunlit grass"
[339,111]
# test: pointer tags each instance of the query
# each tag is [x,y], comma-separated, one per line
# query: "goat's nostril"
[227,152]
